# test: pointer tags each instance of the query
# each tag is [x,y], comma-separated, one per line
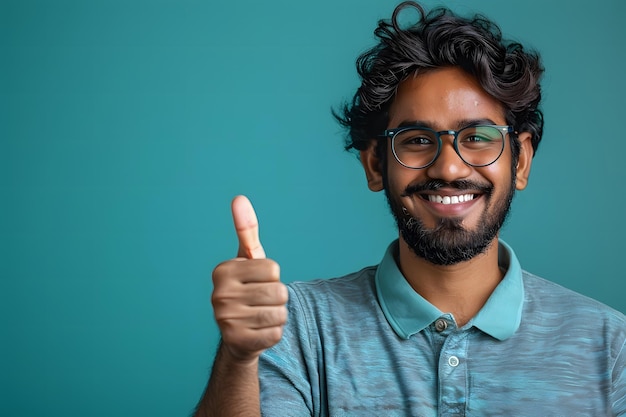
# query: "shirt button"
[453,361]
[441,325]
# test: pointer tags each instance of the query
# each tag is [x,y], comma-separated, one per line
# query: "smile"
[450,199]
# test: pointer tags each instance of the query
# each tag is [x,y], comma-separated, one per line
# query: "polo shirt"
[368,345]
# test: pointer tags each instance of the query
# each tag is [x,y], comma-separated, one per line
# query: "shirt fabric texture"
[368,345]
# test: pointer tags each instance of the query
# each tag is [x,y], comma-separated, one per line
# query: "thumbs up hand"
[248,298]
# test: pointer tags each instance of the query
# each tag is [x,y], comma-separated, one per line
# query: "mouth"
[448,199]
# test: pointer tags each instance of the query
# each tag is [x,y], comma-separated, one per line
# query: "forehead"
[442,99]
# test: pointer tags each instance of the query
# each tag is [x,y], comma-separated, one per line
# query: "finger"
[247,228]
[242,271]
[252,318]
[266,294]
[251,294]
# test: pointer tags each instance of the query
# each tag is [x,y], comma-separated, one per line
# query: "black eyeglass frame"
[392,133]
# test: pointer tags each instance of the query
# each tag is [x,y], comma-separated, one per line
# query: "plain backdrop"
[126,127]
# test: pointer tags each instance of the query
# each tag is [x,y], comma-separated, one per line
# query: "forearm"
[233,388]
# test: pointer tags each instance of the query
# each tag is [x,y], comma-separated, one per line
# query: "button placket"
[453,374]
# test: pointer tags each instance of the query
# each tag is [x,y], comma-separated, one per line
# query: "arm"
[233,388]
[249,306]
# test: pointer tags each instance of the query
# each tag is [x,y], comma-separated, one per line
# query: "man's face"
[475,200]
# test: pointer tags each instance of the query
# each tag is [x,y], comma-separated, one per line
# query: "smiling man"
[446,123]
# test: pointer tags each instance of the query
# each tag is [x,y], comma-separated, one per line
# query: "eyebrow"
[459,124]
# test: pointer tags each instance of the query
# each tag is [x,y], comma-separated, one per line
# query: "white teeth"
[455,199]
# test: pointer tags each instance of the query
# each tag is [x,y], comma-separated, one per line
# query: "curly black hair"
[441,38]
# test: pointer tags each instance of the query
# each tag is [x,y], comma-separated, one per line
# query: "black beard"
[449,242]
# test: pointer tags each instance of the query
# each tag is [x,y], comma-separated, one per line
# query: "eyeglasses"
[418,147]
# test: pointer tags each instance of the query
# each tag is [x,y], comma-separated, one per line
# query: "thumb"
[247,227]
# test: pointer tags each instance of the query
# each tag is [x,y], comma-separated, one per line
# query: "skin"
[249,299]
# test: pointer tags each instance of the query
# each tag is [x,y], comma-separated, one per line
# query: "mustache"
[435,185]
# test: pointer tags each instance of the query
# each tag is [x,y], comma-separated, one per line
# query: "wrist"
[237,360]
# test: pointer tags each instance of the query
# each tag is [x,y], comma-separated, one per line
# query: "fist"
[249,301]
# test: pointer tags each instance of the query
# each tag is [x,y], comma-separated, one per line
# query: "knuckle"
[228,329]
[273,293]
[263,318]
[283,315]
[273,336]
[222,271]
[268,317]
[273,268]
[219,303]
[221,296]
[282,294]
[226,304]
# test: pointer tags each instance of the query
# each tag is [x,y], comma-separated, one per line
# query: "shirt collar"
[408,312]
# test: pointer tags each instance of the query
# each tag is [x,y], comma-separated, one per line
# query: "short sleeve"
[286,370]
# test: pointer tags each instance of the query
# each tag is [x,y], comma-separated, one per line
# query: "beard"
[449,243]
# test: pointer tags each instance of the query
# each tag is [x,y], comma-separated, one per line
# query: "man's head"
[445,73]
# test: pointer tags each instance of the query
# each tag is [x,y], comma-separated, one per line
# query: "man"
[446,122]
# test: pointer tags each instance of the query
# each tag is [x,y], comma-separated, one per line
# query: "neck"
[461,289]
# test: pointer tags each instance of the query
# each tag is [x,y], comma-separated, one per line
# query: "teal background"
[126,127]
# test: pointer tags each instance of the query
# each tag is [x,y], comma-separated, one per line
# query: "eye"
[476,139]
[415,140]
[479,137]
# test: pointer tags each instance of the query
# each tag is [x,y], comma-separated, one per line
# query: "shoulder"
[346,298]
[542,290]
[336,289]
[553,303]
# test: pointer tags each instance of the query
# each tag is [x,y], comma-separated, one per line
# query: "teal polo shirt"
[368,345]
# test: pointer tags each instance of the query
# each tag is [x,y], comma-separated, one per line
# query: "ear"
[373,167]
[524,161]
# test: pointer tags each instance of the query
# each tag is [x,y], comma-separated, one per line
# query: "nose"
[448,166]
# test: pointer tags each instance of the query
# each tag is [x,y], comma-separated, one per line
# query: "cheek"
[399,177]
[499,175]
[494,172]
[499,172]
